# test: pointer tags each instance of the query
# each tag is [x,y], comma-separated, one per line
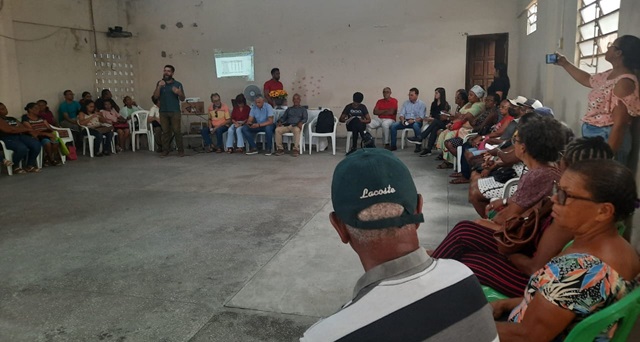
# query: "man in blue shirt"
[68,112]
[411,115]
[260,120]
[170,92]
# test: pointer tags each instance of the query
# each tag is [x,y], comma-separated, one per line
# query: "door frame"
[471,39]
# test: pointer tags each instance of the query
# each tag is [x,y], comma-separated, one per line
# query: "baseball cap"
[544,111]
[518,101]
[533,103]
[370,176]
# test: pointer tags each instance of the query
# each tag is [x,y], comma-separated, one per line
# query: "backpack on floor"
[325,122]
[368,141]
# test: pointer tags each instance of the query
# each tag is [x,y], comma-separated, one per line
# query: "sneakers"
[270,152]
[392,148]
[252,151]
[279,152]
[414,140]
[417,149]
[295,152]
[425,153]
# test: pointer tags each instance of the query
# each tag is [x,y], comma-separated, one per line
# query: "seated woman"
[239,116]
[45,134]
[46,113]
[537,144]
[119,123]
[508,271]
[98,128]
[598,269]
[461,126]
[21,140]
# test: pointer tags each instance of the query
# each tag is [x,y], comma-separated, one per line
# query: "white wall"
[44,68]
[329,48]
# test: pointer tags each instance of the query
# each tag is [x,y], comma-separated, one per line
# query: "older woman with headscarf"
[461,126]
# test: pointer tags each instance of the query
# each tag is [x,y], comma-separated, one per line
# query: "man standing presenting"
[386,109]
[411,115]
[170,92]
[291,122]
[404,295]
[272,84]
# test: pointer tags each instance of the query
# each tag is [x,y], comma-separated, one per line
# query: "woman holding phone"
[614,99]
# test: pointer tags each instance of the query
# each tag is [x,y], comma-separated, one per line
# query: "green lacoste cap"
[369,176]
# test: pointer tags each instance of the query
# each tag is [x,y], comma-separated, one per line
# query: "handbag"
[504,174]
[519,230]
[72,153]
[120,125]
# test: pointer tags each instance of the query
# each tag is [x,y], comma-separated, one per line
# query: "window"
[532,17]
[234,64]
[114,72]
[597,27]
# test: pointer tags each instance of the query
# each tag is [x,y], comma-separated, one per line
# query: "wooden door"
[482,54]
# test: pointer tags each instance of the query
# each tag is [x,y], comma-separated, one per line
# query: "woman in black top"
[501,83]
[21,140]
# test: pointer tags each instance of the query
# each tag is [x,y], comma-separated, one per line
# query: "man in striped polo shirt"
[404,294]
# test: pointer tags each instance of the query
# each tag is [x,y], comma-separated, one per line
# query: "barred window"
[597,28]
[532,17]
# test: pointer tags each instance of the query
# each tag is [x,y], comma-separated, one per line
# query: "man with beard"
[170,92]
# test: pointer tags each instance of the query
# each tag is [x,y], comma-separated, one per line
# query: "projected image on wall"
[234,64]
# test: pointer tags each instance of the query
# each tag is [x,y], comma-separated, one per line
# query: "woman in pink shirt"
[119,123]
[615,96]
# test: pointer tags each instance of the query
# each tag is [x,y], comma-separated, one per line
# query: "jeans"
[249,135]
[171,125]
[416,126]
[232,133]
[622,155]
[432,133]
[385,124]
[206,135]
[23,146]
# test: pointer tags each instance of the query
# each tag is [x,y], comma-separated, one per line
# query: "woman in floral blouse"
[615,95]
[598,269]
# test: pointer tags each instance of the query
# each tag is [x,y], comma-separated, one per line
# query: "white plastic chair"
[141,117]
[313,134]
[151,138]
[263,138]
[300,143]
[65,140]
[8,155]
[88,140]
[510,187]
[459,156]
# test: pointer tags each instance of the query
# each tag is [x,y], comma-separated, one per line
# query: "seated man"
[386,109]
[356,116]
[69,112]
[260,120]
[404,295]
[291,122]
[218,123]
[411,115]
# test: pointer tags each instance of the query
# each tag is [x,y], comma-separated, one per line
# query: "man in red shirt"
[272,84]
[386,109]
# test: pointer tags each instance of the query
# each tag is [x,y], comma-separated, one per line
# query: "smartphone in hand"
[551,58]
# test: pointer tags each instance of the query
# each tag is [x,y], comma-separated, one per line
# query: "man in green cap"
[404,295]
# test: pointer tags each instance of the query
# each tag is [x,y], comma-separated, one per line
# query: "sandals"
[239,150]
[210,149]
[218,150]
[460,180]
[32,169]
[19,170]
[229,150]
[456,175]
[445,165]
[7,163]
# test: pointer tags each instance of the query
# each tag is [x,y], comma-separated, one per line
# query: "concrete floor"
[210,247]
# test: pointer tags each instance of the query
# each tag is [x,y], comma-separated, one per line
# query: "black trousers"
[432,132]
[357,127]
